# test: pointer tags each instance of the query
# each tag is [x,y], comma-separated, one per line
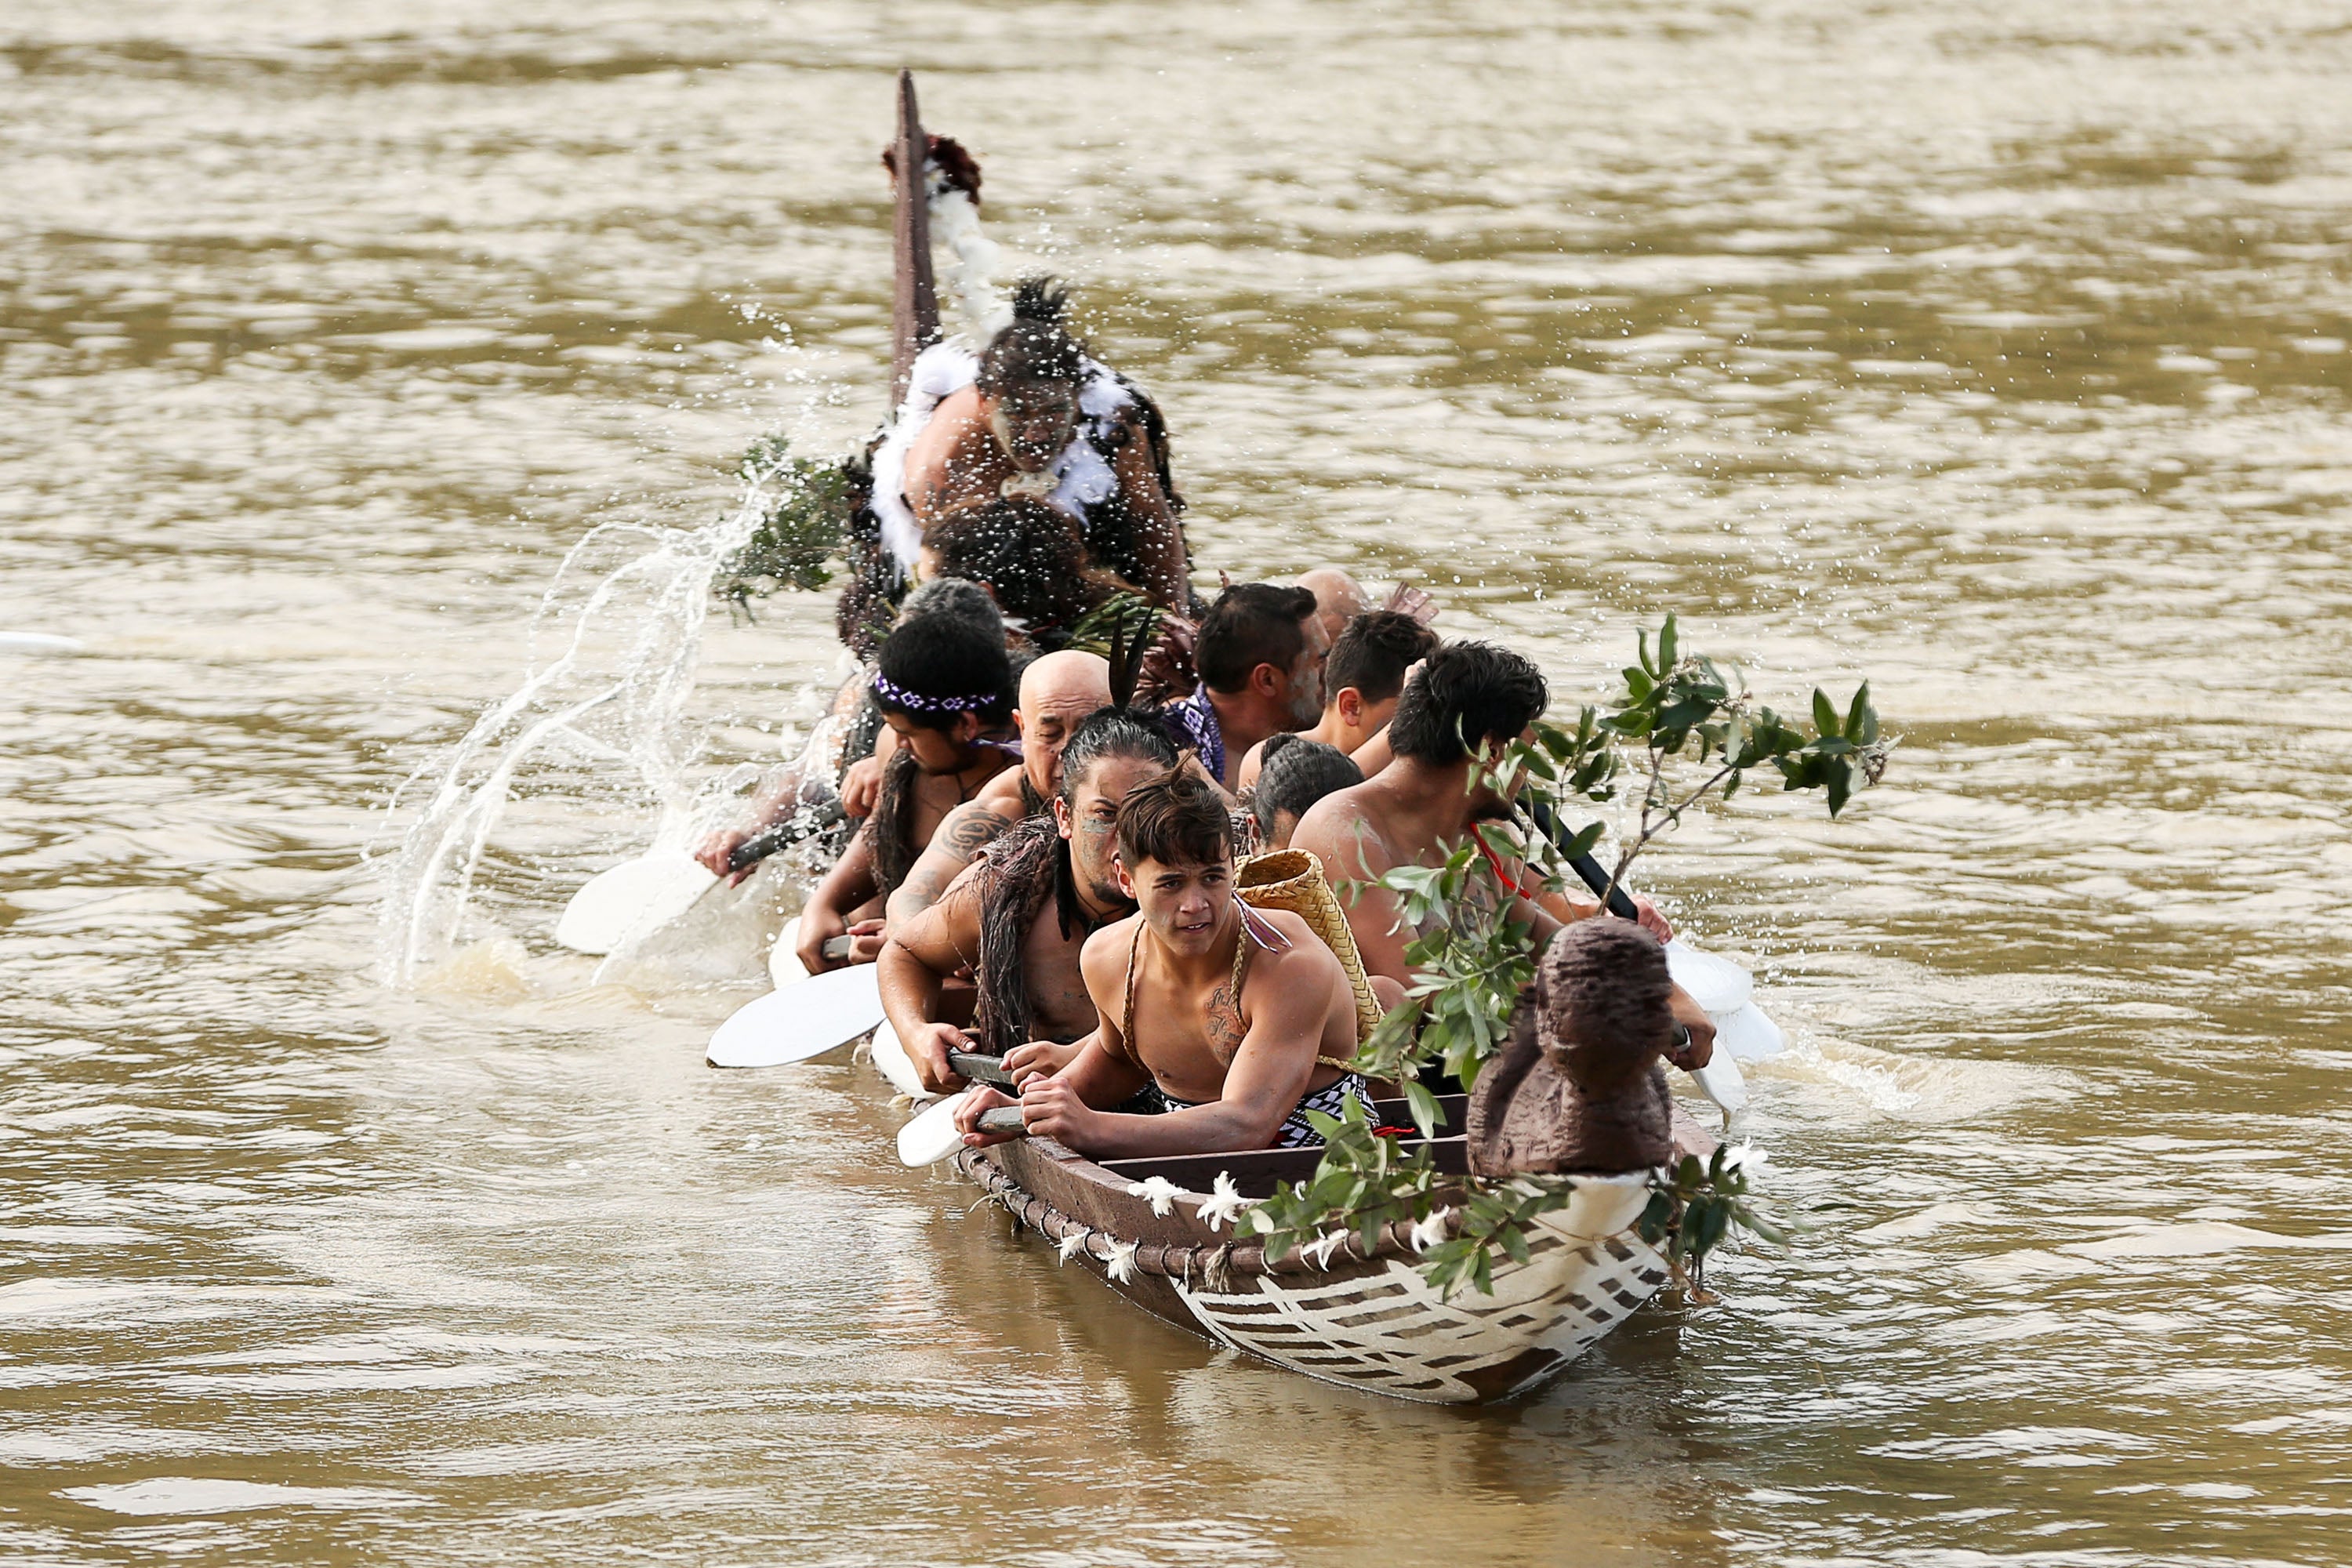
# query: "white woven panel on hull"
[1386,1330]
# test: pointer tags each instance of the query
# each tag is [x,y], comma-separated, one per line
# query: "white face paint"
[1034,423]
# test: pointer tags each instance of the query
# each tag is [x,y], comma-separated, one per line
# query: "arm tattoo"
[971,832]
[1225,1028]
[960,838]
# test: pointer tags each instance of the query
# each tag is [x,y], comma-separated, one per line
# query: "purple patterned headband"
[897,696]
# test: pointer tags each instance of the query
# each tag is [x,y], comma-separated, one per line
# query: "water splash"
[621,645]
[622,624]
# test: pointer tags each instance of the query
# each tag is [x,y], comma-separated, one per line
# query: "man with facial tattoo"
[1035,416]
[1018,919]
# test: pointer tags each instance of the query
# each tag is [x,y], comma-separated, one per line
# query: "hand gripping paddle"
[932,1136]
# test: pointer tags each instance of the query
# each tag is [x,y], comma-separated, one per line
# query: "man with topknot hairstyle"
[1037,417]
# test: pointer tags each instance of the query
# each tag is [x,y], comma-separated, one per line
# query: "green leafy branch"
[1675,703]
[1369,1179]
[1470,959]
[800,530]
[1694,1205]
[1364,1182]
[1469,965]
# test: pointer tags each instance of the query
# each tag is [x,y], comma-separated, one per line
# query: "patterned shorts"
[1297,1131]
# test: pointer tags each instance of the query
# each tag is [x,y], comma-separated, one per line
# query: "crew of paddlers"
[1042,841]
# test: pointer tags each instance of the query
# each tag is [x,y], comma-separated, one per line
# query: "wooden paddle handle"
[1619,903]
[1585,868]
[974,1067]
[805,822]
[1004,1119]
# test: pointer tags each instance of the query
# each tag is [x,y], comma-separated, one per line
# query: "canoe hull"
[1370,1323]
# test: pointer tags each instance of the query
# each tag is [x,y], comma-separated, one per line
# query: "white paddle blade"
[38,642]
[642,894]
[1747,1036]
[890,1059]
[819,1014]
[931,1137]
[784,966]
[1716,984]
[1719,1081]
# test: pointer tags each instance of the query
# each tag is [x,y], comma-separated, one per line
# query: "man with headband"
[944,687]
[1056,692]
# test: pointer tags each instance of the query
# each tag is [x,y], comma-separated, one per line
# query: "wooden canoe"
[1370,1322]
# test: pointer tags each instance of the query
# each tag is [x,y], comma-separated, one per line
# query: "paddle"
[801,1020]
[933,1136]
[974,1067]
[635,896]
[655,888]
[891,1060]
[806,822]
[38,642]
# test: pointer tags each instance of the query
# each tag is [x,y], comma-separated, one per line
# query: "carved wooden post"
[914,300]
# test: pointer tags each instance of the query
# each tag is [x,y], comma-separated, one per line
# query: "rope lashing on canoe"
[1216,1266]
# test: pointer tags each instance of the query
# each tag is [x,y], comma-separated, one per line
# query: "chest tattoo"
[1224,1029]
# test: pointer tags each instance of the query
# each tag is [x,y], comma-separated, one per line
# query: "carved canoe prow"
[914,297]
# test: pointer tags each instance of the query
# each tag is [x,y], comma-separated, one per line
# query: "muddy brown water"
[1996,351]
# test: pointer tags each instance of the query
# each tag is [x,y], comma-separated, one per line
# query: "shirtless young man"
[1425,802]
[1057,691]
[944,687]
[1038,397]
[1241,1020]
[1361,680]
[1018,919]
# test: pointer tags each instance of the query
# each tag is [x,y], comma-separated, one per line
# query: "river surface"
[1993,350]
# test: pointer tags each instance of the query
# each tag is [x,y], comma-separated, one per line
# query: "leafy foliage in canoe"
[808,505]
[1679,716]
[1693,1207]
[1369,1179]
[1472,956]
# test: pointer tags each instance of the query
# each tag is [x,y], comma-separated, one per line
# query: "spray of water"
[601,707]
[612,667]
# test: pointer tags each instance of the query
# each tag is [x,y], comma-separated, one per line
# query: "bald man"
[1339,598]
[1057,691]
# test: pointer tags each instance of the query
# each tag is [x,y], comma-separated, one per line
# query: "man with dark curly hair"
[1029,557]
[1416,810]
[1033,415]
